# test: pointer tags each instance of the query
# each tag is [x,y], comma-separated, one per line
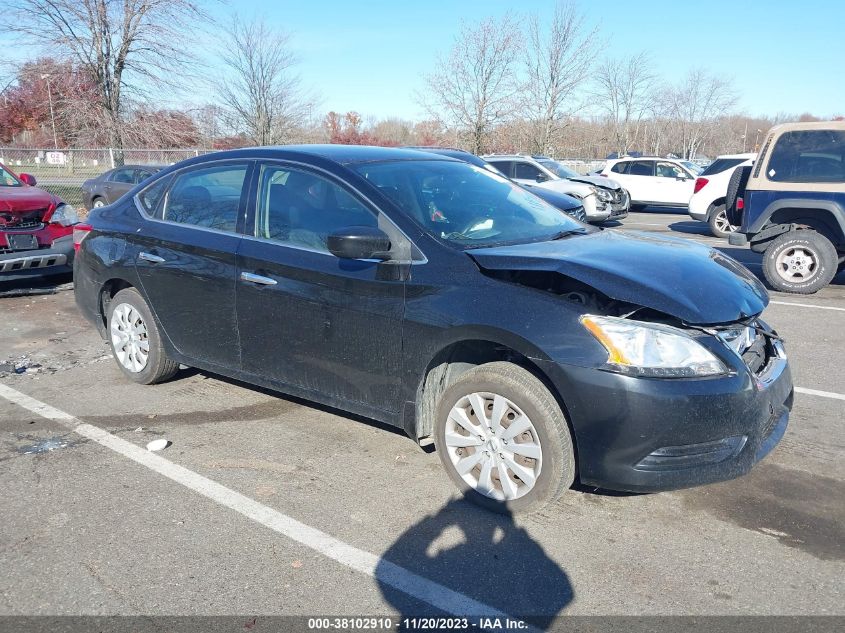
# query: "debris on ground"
[158,445]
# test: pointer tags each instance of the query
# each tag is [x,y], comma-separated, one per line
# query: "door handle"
[149,257]
[258,279]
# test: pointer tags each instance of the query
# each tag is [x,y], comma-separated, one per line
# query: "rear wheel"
[97,203]
[802,262]
[719,225]
[135,340]
[503,439]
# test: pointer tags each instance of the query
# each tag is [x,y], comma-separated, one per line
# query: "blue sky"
[370,56]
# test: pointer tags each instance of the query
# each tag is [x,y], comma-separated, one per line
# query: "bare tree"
[475,86]
[696,106]
[120,44]
[558,56]
[625,89]
[259,89]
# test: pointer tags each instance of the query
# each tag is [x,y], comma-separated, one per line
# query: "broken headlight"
[638,348]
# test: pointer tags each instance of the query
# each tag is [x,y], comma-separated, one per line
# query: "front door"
[186,258]
[307,318]
[675,184]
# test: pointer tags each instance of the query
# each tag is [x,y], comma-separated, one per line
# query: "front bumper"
[647,435]
[54,260]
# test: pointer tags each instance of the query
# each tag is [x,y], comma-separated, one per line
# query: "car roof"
[745,156]
[347,154]
[134,166]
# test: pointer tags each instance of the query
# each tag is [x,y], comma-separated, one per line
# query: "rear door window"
[207,197]
[808,156]
[525,171]
[504,166]
[641,168]
[125,175]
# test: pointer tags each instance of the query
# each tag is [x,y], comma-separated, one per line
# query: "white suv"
[664,182]
[603,198]
[708,196]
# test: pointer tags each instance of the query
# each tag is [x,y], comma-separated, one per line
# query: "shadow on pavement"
[479,555]
[692,227]
[35,285]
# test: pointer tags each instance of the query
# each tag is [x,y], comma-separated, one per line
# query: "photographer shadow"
[468,562]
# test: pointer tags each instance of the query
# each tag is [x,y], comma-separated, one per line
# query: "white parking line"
[822,394]
[383,571]
[807,305]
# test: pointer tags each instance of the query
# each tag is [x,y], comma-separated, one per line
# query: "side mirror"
[27,179]
[541,177]
[359,242]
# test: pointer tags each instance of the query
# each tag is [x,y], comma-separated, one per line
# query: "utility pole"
[52,116]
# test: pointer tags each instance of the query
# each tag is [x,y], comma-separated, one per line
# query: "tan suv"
[790,205]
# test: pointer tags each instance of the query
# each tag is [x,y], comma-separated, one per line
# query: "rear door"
[186,257]
[118,183]
[307,318]
[639,180]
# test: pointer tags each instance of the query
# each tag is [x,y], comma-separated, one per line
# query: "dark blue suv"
[790,205]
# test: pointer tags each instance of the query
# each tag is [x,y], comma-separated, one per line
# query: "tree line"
[532,83]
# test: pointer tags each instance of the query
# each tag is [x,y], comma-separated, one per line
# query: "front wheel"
[802,262]
[503,439]
[135,340]
[719,224]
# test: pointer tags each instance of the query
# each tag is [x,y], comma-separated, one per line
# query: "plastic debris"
[158,445]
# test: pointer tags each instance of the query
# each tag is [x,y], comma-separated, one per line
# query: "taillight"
[699,184]
[740,204]
[80,232]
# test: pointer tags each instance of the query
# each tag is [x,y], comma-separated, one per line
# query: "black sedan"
[438,297]
[111,185]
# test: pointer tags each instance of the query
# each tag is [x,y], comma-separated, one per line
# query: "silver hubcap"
[722,223]
[797,263]
[99,203]
[129,338]
[493,446]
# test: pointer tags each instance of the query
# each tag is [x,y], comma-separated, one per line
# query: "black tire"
[821,251]
[158,366]
[714,221]
[527,392]
[736,189]
[103,202]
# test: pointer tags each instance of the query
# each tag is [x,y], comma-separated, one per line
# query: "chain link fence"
[62,172]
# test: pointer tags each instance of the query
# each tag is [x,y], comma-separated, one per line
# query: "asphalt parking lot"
[266,505]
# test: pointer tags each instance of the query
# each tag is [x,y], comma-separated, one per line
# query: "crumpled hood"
[22,199]
[689,281]
[597,181]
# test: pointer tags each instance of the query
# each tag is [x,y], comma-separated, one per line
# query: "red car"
[36,229]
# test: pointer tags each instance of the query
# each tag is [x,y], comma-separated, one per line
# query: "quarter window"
[302,209]
[808,156]
[150,197]
[209,197]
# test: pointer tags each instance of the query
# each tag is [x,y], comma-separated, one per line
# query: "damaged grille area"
[754,347]
[22,220]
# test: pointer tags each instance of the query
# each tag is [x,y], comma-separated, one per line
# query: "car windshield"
[692,167]
[466,205]
[8,179]
[558,169]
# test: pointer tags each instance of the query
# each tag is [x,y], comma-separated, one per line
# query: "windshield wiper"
[567,233]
